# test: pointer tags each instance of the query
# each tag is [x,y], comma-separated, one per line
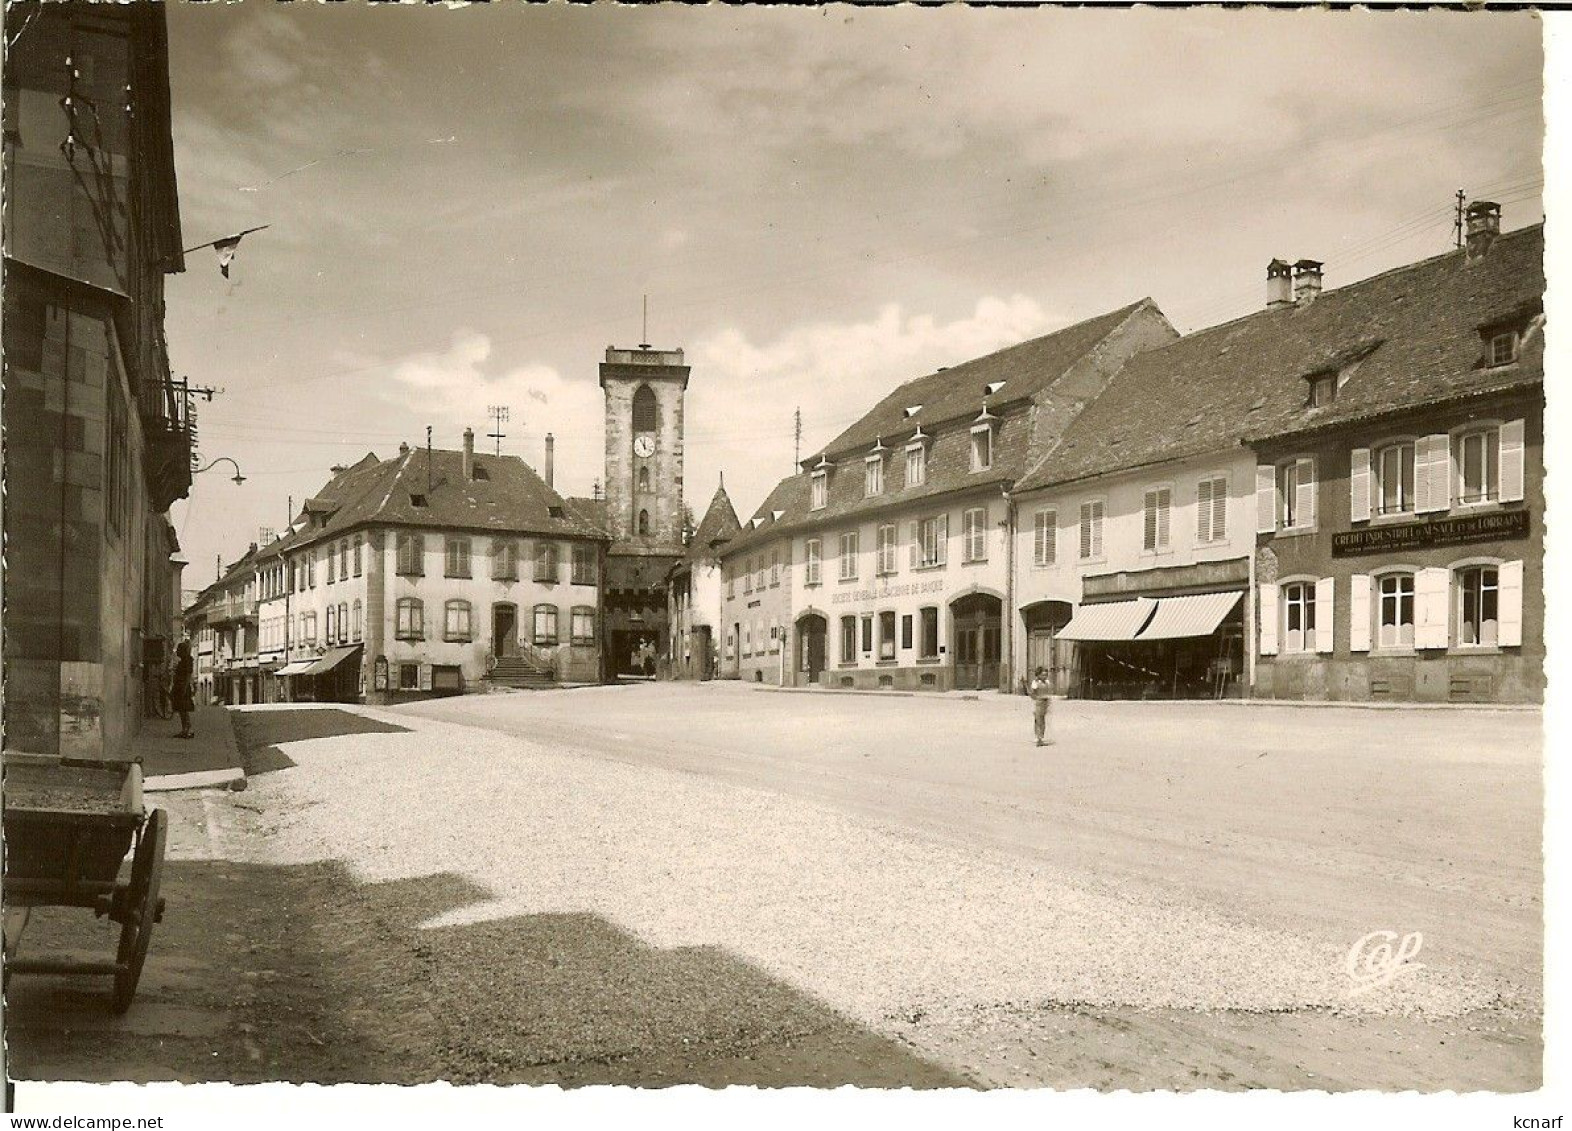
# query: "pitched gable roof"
[1015,373]
[1398,340]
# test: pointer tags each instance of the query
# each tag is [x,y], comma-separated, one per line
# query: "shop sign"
[1496,526]
[886,592]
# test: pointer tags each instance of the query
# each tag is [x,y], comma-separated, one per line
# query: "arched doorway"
[812,632]
[1042,623]
[977,618]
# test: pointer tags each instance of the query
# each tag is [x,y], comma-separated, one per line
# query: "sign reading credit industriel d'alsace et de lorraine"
[1496,526]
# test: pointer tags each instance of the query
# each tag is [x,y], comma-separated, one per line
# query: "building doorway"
[504,630]
[812,632]
[978,619]
[1043,622]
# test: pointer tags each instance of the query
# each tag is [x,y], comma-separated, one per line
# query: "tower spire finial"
[644,342]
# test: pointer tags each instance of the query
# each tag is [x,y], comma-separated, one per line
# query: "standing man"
[1041,691]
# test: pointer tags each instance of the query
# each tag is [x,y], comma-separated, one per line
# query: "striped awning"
[1112,620]
[1197,614]
[295,667]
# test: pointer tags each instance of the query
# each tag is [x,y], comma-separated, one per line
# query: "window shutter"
[1512,461]
[944,538]
[1265,499]
[1268,620]
[914,543]
[1358,613]
[1305,492]
[1203,510]
[1359,485]
[1219,509]
[1432,474]
[1325,614]
[1509,604]
[1165,501]
[1149,521]
[1432,590]
[425,677]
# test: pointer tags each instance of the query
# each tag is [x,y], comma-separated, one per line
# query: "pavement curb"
[196,779]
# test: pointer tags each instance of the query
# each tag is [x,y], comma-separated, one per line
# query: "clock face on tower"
[644,446]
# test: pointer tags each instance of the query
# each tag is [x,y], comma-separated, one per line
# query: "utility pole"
[1457,222]
[428,459]
[499,417]
[796,451]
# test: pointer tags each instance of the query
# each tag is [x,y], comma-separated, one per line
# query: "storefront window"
[886,636]
[930,633]
[848,640]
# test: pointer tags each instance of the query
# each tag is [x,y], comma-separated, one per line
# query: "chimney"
[403,448]
[1484,225]
[469,453]
[551,459]
[1279,284]
[1307,281]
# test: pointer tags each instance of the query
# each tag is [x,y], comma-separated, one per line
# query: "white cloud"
[743,393]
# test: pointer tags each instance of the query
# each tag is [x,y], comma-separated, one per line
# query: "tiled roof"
[718,525]
[1401,339]
[790,497]
[1017,372]
[505,495]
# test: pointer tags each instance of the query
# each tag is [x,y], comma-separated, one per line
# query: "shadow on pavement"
[260,733]
[301,974]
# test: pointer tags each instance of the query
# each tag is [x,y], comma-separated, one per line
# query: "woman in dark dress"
[180,692]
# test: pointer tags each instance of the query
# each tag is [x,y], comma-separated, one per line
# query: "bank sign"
[1493,527]
[886,592]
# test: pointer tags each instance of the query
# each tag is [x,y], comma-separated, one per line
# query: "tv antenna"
[1457,222]
[499,417]
[796,451]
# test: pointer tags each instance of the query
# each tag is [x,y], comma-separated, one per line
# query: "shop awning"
[1197,614]
[295,667]
[333,658]
[1112,620]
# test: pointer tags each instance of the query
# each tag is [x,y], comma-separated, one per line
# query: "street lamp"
[239,478]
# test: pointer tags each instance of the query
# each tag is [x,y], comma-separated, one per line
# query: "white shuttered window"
[1044,538]
[1211,509]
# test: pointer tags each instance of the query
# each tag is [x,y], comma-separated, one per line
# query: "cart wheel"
[143,907]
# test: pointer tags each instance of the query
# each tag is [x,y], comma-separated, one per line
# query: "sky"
[467,205]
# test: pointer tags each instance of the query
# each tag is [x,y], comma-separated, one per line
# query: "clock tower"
[644,390]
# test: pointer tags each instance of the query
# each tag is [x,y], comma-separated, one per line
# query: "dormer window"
[821,485]
[873,475]
[982,446]
[916,463]
[1502,348]
[1323,388]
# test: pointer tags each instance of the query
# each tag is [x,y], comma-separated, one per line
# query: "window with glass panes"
[928,638]
[505,560]
[1395,610]
[1477,597]
[820,490]
[583,625]
[887,636]
[1477,457]
[873,476]
[457,621]
[411,619]
[545,561]
[916,465]
[813,554]
[867,633]
[1394,472]
[358,545]
[1299,616]
[933,536]
[848,639]
[982,448]
[545,625]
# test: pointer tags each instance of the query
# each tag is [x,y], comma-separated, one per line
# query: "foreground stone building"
[97,443]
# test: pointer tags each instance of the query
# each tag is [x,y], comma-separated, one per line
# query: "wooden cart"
[68,827]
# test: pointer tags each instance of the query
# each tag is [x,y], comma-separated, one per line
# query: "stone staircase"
[522,672]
